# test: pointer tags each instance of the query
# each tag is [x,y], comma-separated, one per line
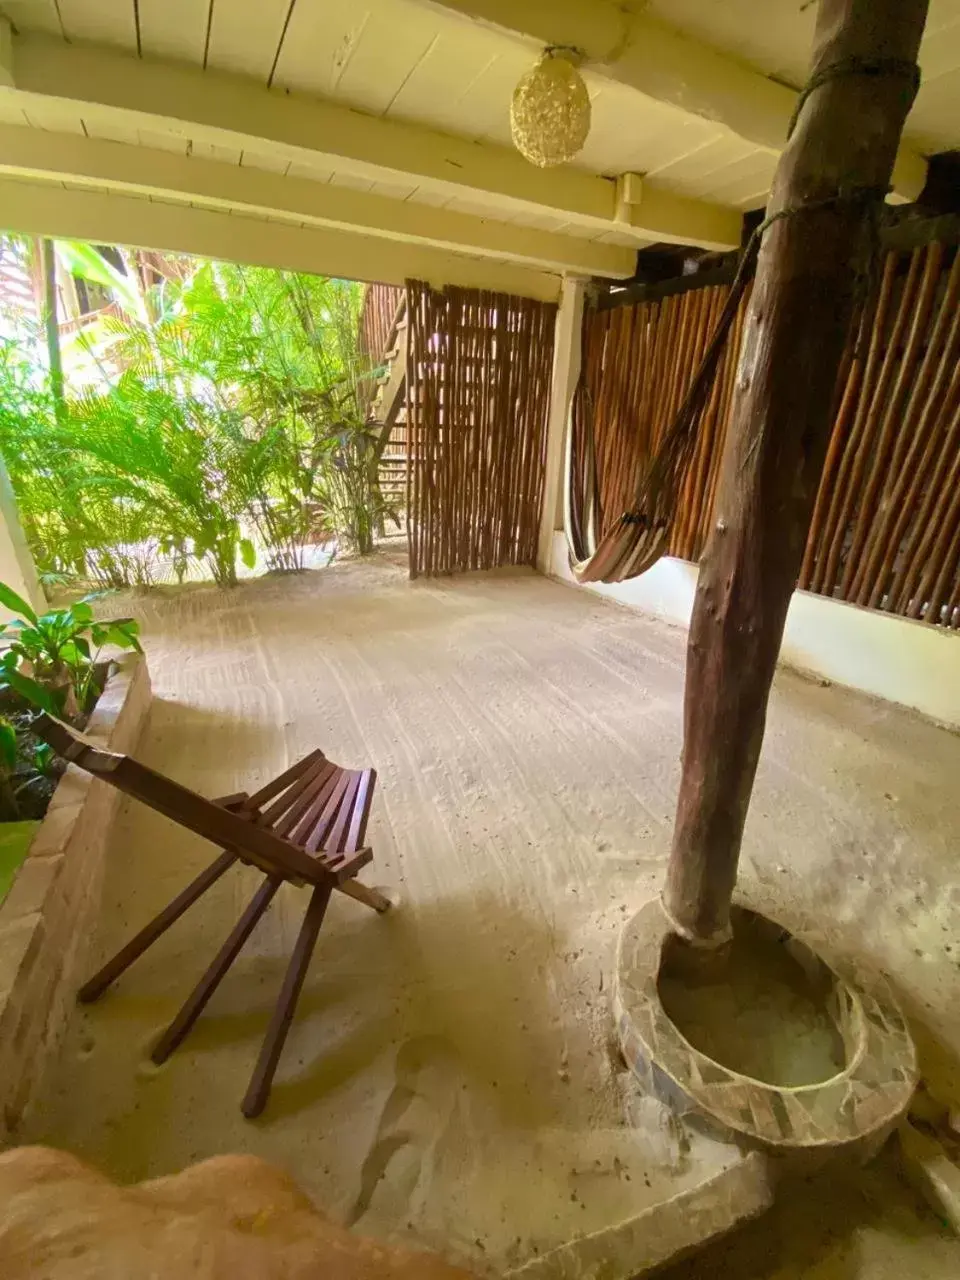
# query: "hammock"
[641,535]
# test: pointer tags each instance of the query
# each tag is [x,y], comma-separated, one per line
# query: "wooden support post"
[812,256]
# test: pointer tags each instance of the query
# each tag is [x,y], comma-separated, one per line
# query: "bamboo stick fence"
[885,532]
[478,391]
[380,303]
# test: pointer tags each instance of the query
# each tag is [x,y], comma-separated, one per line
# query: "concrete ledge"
[46,918]
[665,1231]
[911,663]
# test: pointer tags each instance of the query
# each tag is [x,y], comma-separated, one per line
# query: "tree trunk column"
[842,149]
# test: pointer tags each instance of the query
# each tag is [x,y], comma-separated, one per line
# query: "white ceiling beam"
[110,86]
[49,209]
[667,65]
[31,153]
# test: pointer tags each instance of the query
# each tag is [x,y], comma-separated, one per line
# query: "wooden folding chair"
[307,827]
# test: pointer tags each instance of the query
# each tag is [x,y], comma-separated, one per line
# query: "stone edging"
[47,917]
[859,1104]
[661,1232]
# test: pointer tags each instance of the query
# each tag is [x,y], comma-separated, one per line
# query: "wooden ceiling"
[698,109]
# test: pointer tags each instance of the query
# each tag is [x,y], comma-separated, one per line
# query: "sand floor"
[449,1076]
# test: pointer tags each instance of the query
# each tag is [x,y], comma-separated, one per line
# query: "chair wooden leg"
[197,1000]
[135,948]
[363,893]
[260,1082]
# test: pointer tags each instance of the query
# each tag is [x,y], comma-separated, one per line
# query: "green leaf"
[43,757]
[55,628]
[33,692]
[8,744]
[31,641]
[123,633]
[11,600]
[76,652]
[81,611]
[248,553]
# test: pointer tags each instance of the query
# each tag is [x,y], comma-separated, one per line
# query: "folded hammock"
[641,535]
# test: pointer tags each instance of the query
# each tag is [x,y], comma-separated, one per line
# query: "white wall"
[566,370]
[907,662]
[16,563]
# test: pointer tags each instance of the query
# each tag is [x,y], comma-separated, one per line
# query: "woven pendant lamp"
[550,111]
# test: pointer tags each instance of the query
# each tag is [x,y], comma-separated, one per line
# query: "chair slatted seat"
[306,826]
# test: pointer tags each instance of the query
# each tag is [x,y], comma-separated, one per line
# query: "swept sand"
[449,1076]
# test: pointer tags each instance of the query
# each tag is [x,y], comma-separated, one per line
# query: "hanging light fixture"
[550,111]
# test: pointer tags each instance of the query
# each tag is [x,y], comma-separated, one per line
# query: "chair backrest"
[246,831]
[317,805]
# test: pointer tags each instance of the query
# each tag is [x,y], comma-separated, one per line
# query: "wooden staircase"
[387,413]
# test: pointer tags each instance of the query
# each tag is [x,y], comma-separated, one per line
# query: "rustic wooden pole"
[829,179]
[51,326]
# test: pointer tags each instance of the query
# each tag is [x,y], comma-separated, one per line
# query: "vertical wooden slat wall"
[478,393]
[886,525]
[639,362]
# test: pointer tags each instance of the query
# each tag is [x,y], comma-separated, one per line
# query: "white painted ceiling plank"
[579,231]
[11,112]
[777,39]
[163,141]
[321,38]
[53,118]
[941,15]
[755,200]
[382,64]
[174,29]
[445,76]
[361,54]
[618,237]
[33,15]
[244,37]
[935,118]
[697,169]
[428,196]
[342,179]
[742,179]
[214,151]
[941,54]
[264,160]
[538,221]
[101,126]
[100,22]
[635,137]
[316,173]
[487,104]
[396,190]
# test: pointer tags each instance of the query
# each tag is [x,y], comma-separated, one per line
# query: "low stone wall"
[47,918]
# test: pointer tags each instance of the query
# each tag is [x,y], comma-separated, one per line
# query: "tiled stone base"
[858,1106]
[47,917]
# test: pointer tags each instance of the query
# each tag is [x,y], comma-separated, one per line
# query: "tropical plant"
[216,413]
[28,770]
[9,809]
[51,660]
[171,464]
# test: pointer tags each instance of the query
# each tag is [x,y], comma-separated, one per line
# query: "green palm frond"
[234,401]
